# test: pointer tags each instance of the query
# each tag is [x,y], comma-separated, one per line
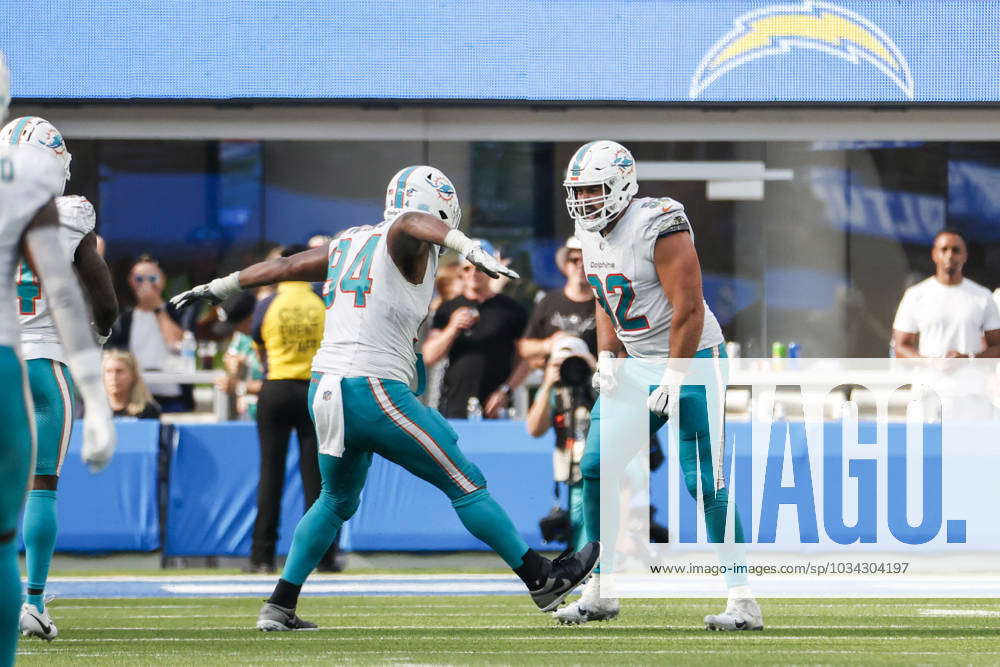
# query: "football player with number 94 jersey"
[378,289]
[641,262]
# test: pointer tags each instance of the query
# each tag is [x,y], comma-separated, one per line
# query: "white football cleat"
[740,614]
[590,607]
[36,623]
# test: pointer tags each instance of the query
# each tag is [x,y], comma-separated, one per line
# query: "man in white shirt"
[947,315]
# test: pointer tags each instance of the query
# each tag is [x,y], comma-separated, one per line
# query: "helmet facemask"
[606,164]
[594,212]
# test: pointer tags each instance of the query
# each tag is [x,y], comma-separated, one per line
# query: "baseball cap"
[232,311]
[572,243]
[572,346]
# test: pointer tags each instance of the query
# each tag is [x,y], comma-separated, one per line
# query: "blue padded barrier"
[117,509]
[213,491]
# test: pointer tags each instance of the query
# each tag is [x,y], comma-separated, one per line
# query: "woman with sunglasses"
[151,330]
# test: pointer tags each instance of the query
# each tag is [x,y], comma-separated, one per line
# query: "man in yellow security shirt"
[287,327]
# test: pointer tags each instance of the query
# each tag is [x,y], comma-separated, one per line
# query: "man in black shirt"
[477,331]
[562,312]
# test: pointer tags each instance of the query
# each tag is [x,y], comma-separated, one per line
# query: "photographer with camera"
[563,401]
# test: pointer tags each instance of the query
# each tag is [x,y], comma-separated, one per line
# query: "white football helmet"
[423,188]
[604,163]
[4,87]
[37,132]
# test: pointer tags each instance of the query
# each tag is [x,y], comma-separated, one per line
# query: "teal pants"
[384,417]
[17,445]
[701,412]
[52,394]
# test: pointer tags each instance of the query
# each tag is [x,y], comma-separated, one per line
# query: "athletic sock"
[286,594]
[730,554]
[313,537]
[37,599]
[484,518]
[40,528]
[534,569]
[741,592]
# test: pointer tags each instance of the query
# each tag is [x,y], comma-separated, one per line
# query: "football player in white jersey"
[48,376]
[641,262]
[31,177]
[378,289]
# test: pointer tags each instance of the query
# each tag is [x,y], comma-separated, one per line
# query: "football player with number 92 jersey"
[641,262]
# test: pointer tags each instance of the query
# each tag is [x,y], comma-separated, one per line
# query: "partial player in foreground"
[640,259]
[31,177]
[379,284]
[51,384]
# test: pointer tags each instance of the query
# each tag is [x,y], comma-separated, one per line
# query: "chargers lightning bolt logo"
[811,25]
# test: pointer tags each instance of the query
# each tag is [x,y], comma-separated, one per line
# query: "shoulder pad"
[77,214]
[666,216]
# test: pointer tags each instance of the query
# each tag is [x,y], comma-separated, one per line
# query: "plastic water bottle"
[473,410]
[189,352]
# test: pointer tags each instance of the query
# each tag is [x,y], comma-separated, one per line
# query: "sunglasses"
[574,260]
[141,278]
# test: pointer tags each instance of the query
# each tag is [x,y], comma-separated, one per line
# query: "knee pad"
[343,506]
[691,478]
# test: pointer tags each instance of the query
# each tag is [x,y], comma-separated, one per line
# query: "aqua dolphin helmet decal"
[36,131]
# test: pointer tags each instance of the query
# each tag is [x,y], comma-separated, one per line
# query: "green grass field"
[507,630]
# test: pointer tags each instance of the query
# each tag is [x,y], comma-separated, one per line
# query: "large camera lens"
[575,372]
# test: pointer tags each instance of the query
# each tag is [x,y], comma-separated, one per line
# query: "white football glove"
[670,387]
[489,264]
[604,376]
[214,292]
[99,437]
[474,253]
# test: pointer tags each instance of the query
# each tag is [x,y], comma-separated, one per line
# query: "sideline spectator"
[947,315]
[101,245]
[151,331]
[476,331]
[127,392]
[563,402]
[448,284]
[287,327]
[244,372]
[319,240]
[568,311]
